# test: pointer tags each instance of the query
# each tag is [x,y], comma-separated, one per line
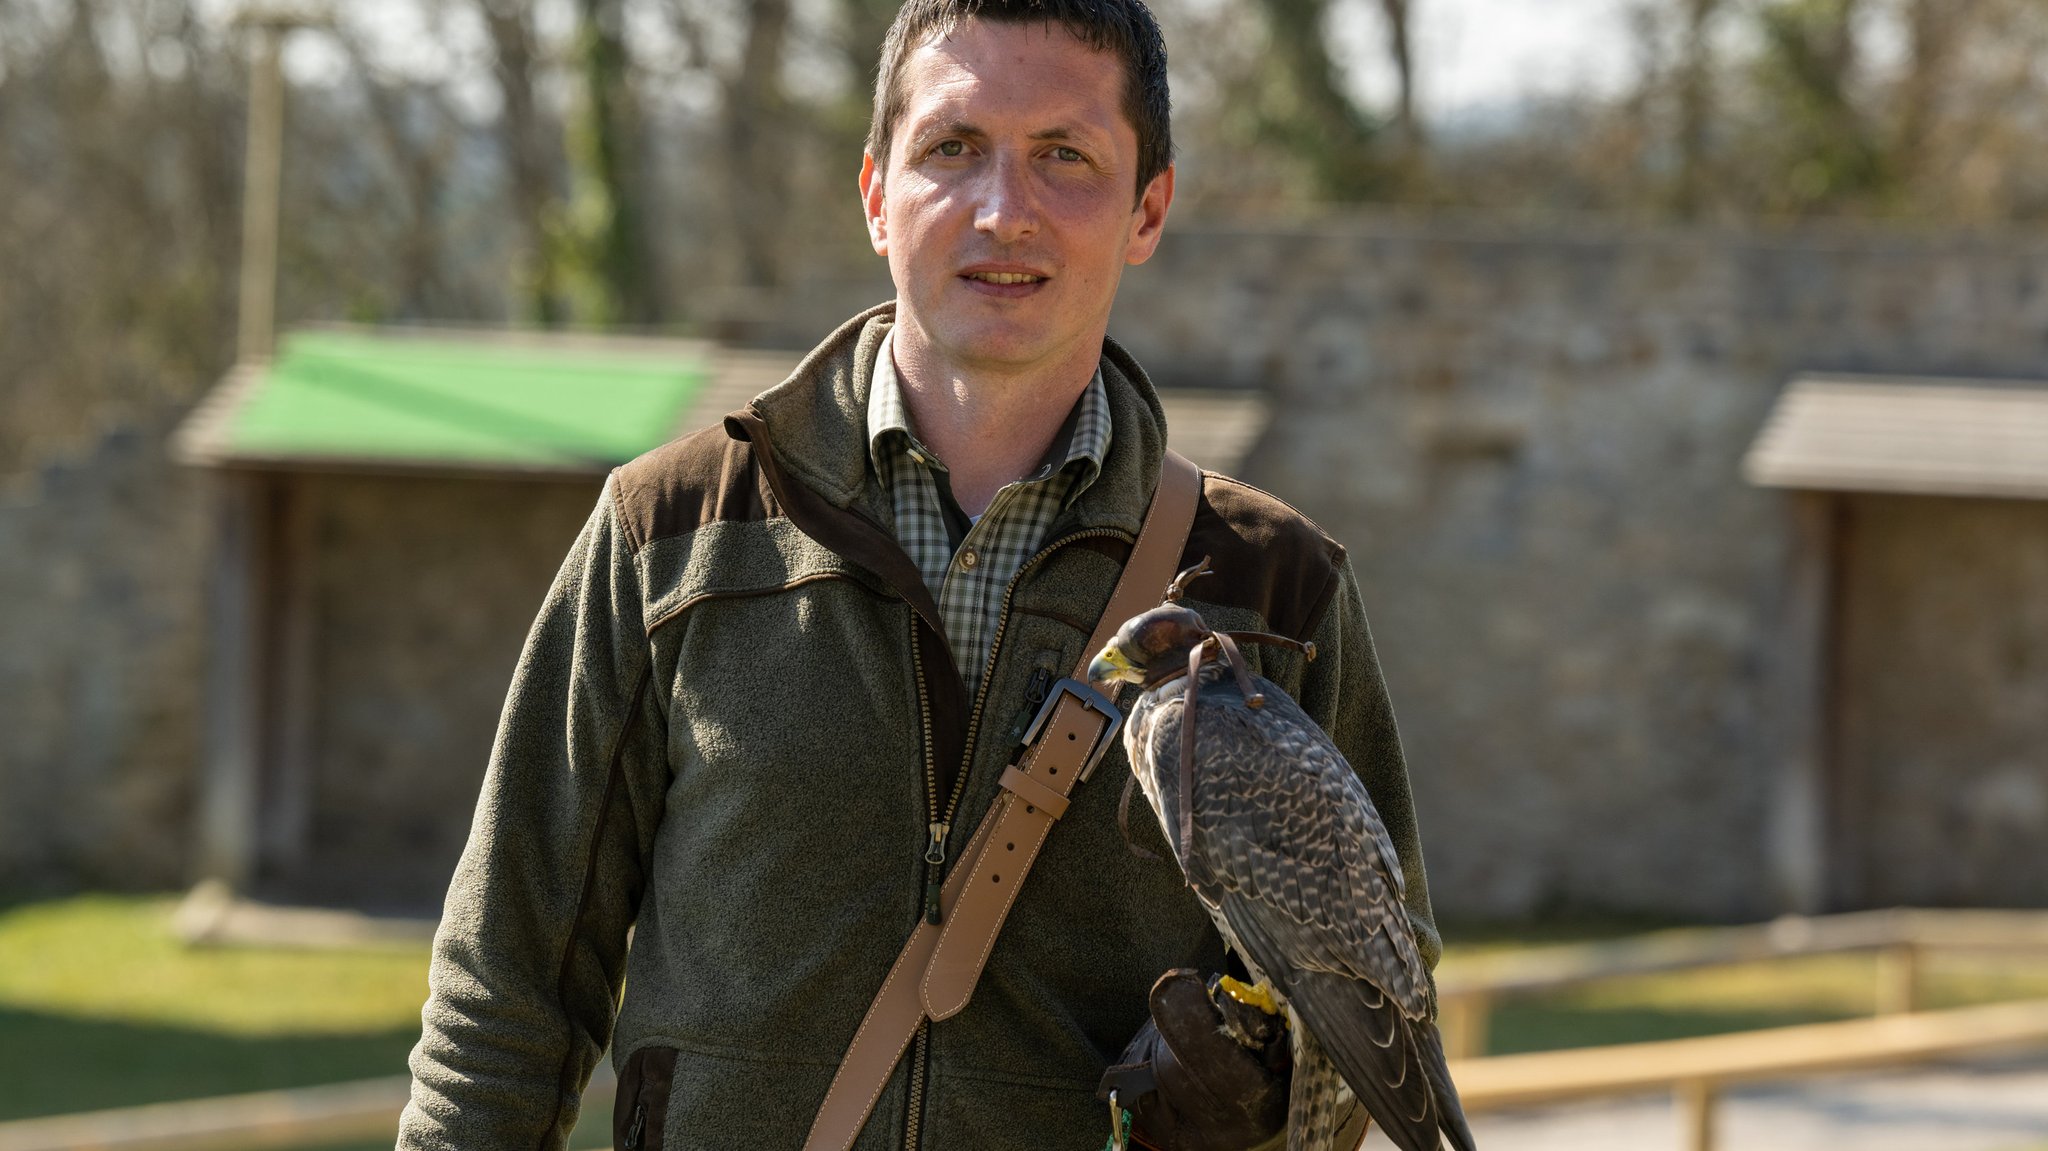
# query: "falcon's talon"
[1259,996]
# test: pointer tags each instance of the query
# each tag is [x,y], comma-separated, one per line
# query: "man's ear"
[871,204]
[1151,218]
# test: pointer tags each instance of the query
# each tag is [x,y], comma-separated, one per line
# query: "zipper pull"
[1035,691]
[634,1132]
[934,857]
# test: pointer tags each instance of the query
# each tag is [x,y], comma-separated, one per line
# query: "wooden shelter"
[1918,620]
[391,508]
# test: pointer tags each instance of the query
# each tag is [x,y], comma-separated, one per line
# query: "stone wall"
[102,575]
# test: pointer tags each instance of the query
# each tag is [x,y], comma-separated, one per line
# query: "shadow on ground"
[58,1064]
[53,1064]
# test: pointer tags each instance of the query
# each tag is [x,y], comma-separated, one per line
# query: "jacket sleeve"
[530,955]
[1343,689]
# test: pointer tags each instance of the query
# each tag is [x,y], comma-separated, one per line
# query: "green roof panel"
[484,403]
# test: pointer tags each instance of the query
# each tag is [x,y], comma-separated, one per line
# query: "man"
[787,660]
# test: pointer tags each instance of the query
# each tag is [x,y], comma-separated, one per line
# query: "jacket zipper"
[942,822]
[934,860]
[639,1126]
[920,1058]
[935,847]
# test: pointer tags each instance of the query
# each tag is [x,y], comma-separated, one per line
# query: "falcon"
[1284,849]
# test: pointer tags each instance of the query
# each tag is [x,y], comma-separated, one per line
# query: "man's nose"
[1008,211]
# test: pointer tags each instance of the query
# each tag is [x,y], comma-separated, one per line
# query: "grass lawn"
[100,1006]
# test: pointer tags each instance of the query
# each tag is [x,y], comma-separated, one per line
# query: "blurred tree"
[531,149]
[1808,70]
[757,140]
[119,176]
[1933,34]
[618,253]
[417,131]
[1695,106]
[1929,110]
[759,127]
[1314,116]
[863,24]
[1407,120]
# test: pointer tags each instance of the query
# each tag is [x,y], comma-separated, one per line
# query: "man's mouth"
[1006,277]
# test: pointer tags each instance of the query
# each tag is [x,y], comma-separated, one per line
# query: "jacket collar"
[815,426]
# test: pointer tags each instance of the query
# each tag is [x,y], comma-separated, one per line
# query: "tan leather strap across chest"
[935,974]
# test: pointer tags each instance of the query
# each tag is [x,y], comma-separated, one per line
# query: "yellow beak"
[1111,666]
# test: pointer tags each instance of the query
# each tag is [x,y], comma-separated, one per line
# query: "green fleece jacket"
[731,727]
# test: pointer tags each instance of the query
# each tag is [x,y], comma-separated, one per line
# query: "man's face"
[1007,207]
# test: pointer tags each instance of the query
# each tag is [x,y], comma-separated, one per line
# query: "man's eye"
[1068,154]
[950,148]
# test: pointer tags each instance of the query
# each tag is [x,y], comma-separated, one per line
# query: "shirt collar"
[887,414]
[1083,439]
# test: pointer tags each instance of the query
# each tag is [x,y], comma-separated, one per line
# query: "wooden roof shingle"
[1905,435]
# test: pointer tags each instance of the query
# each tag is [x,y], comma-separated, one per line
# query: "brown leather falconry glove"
[1205,1073]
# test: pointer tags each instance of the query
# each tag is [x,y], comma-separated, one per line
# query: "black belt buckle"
[1090,698]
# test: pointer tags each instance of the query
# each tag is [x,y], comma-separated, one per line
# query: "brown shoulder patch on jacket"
[704,477]
[1267,557]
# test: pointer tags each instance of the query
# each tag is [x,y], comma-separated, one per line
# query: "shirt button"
[968,559]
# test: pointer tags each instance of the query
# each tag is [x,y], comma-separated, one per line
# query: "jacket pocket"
[640,1111]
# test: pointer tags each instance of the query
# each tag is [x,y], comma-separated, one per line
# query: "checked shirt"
[969,564]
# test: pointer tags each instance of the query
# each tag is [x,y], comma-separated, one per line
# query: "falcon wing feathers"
[1282,822]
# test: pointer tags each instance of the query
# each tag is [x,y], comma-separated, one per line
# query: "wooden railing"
[1696,1071]
[1900,938]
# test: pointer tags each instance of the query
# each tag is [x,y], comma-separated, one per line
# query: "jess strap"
[934,976]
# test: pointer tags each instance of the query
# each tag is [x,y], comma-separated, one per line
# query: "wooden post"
[1797,834]
[1465,1020]
[1844,808]
[1696,1099]
[262,173]
[230,784]
[1898,979]
[287,810]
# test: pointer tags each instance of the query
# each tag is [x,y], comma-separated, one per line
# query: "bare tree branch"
[529,162]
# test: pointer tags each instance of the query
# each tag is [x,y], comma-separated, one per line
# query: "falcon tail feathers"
[1431,1043]
[1403,1084]
[1315,1098]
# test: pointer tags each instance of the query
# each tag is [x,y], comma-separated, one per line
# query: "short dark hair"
[1124,28]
